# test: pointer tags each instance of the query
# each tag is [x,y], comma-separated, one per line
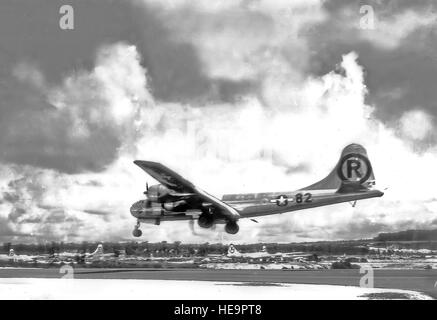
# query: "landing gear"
[205,220]
[137,232]
[232,227]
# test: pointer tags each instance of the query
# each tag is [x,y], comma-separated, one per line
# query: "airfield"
[396,273]
[47,283]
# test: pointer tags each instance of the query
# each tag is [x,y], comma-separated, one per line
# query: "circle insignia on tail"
[354,167]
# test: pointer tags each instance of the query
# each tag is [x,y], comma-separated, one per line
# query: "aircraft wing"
[174,181]
[166,176]
[229,212]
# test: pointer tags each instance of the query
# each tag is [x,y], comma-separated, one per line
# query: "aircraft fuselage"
[250,204]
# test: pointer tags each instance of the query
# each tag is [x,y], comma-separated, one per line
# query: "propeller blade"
[191,224]
[220,236]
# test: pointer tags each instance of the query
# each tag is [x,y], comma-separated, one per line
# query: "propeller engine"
[174,205]
[155,192]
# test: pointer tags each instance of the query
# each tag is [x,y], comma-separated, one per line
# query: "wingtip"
[145,162]
[139,162]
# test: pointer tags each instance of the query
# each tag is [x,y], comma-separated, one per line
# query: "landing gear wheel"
[205,220]
[232,228]
[137,233]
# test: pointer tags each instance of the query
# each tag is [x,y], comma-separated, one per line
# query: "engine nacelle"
[174,205]
[156,191]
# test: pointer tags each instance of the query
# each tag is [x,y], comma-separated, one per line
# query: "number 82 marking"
[307,197]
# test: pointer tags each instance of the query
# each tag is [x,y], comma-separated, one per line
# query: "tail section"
[99,251]
[233,252]
[12,256]
[353,172]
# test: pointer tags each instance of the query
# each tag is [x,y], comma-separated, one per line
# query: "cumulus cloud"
[416,125]
[243,41]
[83,121]
[391,29]
[400,68]
[90,122]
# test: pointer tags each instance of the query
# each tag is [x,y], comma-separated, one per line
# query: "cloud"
[390,30]
[416,125]
[386,25]
[45,205]
[83,121]
[241,41]
[400,69]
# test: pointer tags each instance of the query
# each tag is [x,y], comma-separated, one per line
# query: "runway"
[424,281]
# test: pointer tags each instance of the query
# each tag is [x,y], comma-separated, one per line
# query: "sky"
[235,95]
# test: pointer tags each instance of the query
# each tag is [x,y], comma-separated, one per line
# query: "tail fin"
[232,251]
[352,173]
[99,251]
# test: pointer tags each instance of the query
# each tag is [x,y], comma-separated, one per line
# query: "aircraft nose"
[136,209]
